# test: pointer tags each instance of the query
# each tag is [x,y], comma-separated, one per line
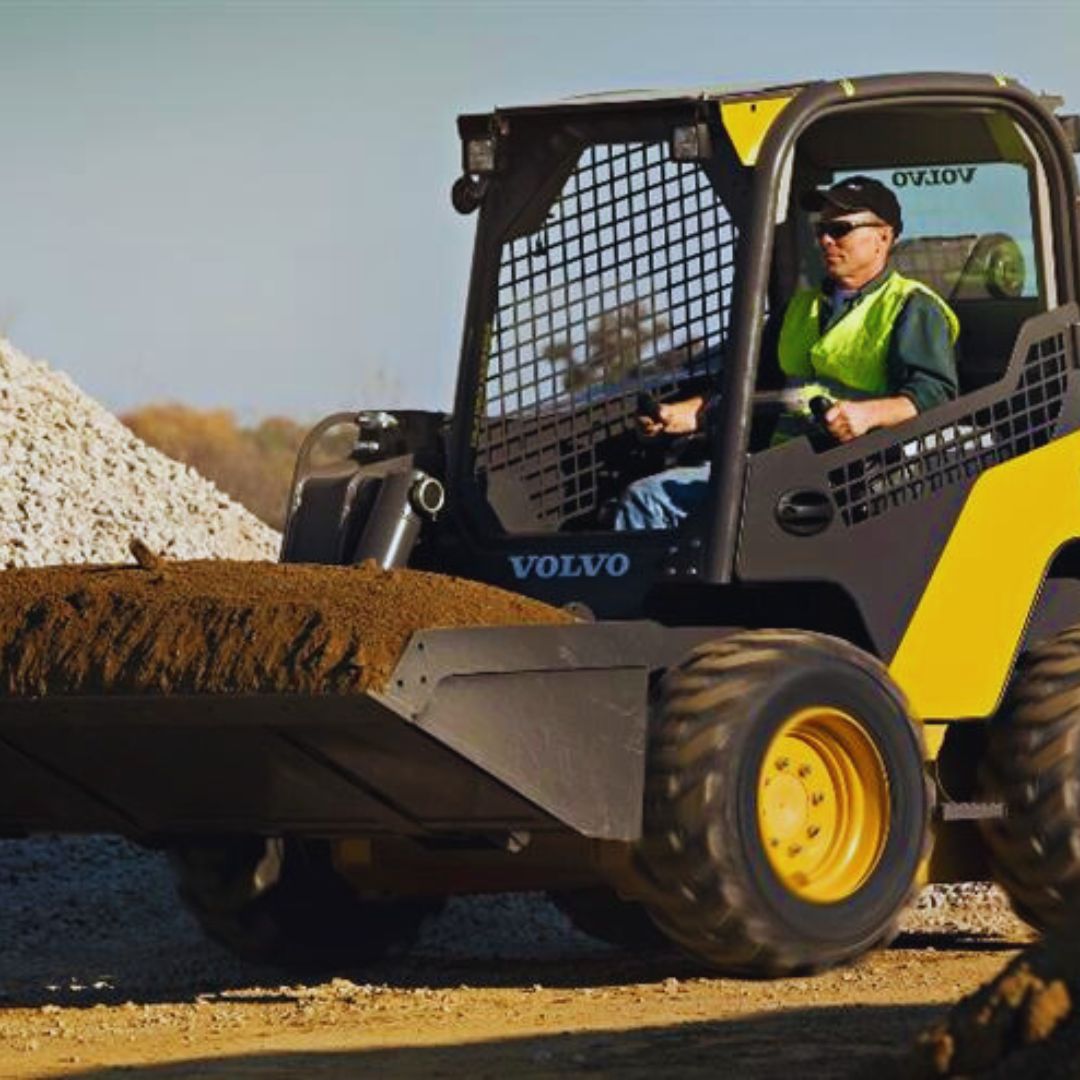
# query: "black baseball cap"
[857,193]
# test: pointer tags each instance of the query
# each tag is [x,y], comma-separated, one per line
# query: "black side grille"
[1020,420]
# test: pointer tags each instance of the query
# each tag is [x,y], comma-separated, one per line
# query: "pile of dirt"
[1023,1023]
[220,626]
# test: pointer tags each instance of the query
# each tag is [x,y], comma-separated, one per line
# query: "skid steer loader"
[851,671]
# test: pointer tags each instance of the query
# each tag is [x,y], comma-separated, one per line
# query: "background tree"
[620,343]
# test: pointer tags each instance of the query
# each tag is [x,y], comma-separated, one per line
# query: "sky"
[246,205]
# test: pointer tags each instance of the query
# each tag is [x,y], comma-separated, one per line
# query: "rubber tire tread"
[697,889]
[1032,764]
[281,903]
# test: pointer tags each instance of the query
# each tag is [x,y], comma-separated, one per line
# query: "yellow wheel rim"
[823,805]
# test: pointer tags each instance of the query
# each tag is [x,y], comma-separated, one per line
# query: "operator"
[879,346]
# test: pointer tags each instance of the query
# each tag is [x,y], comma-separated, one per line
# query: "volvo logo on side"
[594,564]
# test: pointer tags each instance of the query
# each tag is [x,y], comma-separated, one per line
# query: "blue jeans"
[663,500]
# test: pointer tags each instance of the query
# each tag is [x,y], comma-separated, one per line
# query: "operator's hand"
[847,420]
[676,418]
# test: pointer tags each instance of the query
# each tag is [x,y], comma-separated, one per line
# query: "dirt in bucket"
[217,626]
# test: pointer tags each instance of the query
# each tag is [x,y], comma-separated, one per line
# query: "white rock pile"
[76,485]
[86,918]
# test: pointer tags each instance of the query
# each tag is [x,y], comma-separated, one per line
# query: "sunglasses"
[837,230]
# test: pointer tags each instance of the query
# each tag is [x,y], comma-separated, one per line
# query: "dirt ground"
[587,1011]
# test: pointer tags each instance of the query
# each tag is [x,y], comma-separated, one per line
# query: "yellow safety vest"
[851,356]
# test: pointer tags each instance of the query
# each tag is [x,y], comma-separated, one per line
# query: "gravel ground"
[96,919]
[105,977]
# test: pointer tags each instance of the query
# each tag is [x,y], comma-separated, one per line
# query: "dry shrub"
[253,465]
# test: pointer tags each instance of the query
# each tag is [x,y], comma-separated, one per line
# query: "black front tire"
[282,903]
[710,881]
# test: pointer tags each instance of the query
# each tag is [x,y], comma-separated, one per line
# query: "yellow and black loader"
[855,669]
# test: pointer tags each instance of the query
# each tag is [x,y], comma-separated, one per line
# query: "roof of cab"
[742,93]
[632,98]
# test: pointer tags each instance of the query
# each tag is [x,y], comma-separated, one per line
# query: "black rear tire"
[1032,764]
[712,883]
[282,903]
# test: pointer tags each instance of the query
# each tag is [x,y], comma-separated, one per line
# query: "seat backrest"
[988,330]
[982,278]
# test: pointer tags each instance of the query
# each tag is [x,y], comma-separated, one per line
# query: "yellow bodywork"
[956,654]
[748,122]
[823,805]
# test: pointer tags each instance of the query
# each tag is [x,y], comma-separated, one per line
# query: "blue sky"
[246,204]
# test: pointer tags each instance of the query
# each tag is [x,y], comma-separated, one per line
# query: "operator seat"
[982,278]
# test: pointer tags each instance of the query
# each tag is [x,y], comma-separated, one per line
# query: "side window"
[969,233]
[977,229]
[625,287]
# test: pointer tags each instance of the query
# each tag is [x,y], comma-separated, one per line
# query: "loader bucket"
[202,698]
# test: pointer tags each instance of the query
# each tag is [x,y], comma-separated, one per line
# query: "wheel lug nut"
[795,849]
[804,771]
[782,763]
[817,798]
[813,831]
[774,842]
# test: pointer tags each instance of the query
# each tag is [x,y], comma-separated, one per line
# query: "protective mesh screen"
[625,287]
[1021,420]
